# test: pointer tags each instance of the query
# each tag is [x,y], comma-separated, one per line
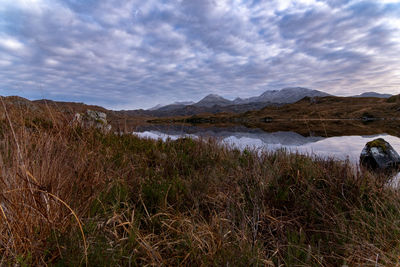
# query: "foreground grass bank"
[72,196]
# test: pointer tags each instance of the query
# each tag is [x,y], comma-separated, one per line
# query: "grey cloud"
[131,54]
[336,3]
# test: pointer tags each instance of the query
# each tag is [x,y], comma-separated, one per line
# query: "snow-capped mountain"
[285,95]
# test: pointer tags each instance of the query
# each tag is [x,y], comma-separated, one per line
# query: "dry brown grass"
[184,202]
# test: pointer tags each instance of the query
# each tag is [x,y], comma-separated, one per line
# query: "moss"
[379,143]
[100,121]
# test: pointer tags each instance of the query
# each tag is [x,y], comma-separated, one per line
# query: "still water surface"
[340,147]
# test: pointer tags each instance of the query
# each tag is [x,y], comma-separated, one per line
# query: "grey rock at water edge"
[379,155]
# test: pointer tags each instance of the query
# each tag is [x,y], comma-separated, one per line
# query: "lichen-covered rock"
[92,118]
[379,155]
[97,116]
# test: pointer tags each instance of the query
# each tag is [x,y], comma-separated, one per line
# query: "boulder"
[379,155]
[92,118]
[77,118]
[97,116]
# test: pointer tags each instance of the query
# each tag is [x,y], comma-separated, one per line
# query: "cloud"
[135,54]
[10,43]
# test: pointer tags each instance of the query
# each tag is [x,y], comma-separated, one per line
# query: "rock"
[92,118]
[97,116]
[77,118]
[379,155]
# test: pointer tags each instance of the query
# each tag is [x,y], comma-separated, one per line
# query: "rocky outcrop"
[97,117]
[93,118]
[379,155]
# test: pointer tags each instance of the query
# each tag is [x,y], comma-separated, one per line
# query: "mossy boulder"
[379,155]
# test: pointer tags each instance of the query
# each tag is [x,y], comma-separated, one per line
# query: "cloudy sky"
[136,54]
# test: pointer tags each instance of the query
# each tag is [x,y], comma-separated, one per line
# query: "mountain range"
[314,108]
[285,95]
[211,104]
[214,103]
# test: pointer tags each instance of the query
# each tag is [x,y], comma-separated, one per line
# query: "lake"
[339,147]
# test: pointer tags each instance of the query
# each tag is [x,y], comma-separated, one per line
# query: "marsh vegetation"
[72,196]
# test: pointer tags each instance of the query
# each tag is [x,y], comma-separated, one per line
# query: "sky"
[137,54]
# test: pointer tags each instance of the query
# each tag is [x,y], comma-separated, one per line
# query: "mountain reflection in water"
[340,147]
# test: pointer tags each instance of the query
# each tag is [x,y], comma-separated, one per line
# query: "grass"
[182,202]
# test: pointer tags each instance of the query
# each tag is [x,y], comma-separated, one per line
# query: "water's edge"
[339,148]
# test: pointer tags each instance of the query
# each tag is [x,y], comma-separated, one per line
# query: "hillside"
[64,111]
[331,108]
[326,108]
[373,94]
[340,115]
[322,116]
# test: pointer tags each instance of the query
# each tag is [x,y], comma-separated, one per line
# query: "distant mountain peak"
[288,95]
[212,100]
[213,96]
[373,94]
